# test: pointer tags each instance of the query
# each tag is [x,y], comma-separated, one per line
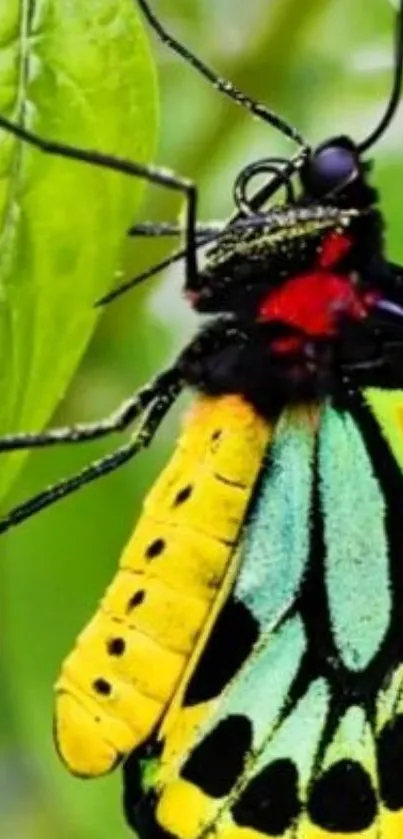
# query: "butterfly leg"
[161,389]
[157,229]
[157,398]
[141,439]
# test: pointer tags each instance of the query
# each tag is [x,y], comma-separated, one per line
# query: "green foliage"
[78,72]
[326,65]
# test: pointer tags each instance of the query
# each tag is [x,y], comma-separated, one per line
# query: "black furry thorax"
[304,306]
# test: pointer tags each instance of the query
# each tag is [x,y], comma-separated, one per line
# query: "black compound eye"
[330,169]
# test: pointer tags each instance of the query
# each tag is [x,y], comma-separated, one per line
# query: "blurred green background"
[326,65]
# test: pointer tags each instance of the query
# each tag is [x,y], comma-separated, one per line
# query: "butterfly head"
[336,173]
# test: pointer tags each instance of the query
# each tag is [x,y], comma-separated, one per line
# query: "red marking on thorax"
[312,301]
[334,247]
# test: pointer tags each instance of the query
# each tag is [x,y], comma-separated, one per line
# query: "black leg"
[158,402]
[52,494]
[206,231]
[177,256]
[151,229]
[165,387]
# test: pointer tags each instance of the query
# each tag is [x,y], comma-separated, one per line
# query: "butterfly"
[246,662]
[291,724]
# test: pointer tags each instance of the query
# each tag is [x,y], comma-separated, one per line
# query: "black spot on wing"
[390,763]
[231,641]
[270,803]
[216,763]
[343,799]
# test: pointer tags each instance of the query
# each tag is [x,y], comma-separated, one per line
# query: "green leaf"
[77,71]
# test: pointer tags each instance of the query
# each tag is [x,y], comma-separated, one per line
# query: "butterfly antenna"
[222,85]
[396,88]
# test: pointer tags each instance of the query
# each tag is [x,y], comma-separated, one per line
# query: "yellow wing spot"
[399,418]
[178,739]
[184,810]
[174,575]
[391,824]
[387,407]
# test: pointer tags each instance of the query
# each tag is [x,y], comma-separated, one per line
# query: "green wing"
[292,725]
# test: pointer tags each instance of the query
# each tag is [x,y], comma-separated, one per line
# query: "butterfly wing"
[154,617]
[304,740]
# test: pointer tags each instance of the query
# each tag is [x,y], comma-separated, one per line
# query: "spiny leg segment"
[155,398]
[141,439]
[163,385]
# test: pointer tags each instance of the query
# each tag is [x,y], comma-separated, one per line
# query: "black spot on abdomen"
[216,763]
[102,687]
[343,799]
[182,495]
[116,646]
[390,764]
[136,600]
[230,643]
[155,548]
[270,803]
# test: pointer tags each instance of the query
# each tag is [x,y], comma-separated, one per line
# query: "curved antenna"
[396,88]
[222,85]
[267,164]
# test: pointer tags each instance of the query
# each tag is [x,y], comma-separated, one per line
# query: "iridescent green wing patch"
[305,739]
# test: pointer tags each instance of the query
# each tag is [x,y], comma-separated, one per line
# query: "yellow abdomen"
[173,576]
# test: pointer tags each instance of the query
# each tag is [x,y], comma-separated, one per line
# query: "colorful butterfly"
[247,660]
